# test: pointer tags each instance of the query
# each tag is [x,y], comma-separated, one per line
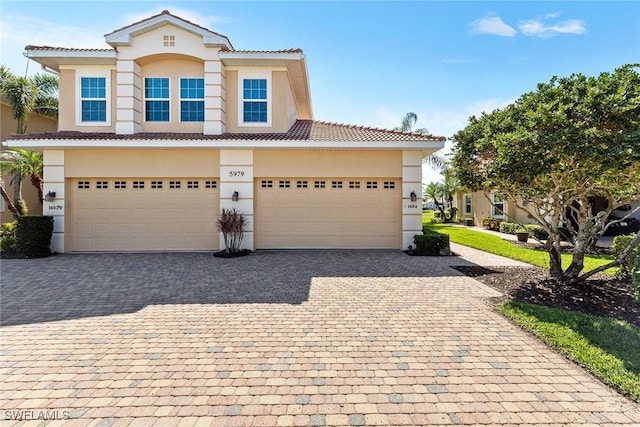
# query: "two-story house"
[170,124]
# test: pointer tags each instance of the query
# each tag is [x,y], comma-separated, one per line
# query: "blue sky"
[371,62]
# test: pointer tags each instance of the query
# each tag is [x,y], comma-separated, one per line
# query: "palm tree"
[450,185]
[36,94]
[433,160]
[434,191]
[408,121]
[25,162]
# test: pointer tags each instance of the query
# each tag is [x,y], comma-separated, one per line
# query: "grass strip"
[608,348]
[499,246]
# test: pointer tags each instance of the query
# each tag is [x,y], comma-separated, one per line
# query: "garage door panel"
[144,218]
[329,217]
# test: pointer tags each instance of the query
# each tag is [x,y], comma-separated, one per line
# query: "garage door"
[331,213]
[137,214]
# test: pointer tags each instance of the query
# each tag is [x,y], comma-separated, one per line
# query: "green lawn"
[496,245]
[609,348]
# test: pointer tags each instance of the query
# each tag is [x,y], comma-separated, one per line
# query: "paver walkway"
[277,338]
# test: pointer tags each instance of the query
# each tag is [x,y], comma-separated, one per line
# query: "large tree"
[37,94]
[554,150]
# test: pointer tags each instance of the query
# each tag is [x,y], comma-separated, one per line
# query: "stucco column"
[214,98]
[411,182]
[236,174]
[129,98]
[54,183]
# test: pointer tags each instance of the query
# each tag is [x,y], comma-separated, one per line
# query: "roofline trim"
[56,53]
[223,144]
[287,56]
[123,35]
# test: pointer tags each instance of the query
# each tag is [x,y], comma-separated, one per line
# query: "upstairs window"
[192,100]
[93,99]
[254,100]
[156,94]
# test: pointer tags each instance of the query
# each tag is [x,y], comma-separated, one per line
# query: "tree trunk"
[572,273]
[555,261]
[17,193]
[36,180]
[10,205]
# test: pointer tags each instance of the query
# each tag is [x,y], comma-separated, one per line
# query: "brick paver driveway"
[276,338]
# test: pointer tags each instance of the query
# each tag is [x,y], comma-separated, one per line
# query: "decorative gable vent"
[169,41]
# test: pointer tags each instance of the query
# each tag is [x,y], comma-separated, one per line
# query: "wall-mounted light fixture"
[413,196]
[234,196]
[50,196]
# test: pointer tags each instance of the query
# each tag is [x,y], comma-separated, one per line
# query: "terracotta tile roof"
[302,130]
[66,49]
[294,50]
[166,12]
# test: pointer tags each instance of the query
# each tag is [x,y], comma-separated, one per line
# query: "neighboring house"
[171,124]
[8,126]
[479,205]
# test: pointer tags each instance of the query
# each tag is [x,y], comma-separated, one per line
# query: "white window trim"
[464,204]
[494,214]
[254,74]
[145,99]
[106,74]
[180,99]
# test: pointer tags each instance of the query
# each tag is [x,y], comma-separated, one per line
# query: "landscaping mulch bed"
[602,295]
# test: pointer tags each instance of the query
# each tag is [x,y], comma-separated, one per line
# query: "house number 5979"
[234,174]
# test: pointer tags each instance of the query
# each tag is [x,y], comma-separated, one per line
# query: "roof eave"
[55,53]
[42,144]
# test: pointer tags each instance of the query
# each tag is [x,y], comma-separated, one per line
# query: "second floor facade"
[168,75]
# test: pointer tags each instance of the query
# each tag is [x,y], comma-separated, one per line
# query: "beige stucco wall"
[175,67]
[323,163]
[34,124]
[152,43]
[283,109]
[141,163]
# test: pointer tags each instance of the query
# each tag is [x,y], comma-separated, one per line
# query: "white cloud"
[197,18]
[18,31]
[540,28]
[552,15]
[492,25]
[544,27]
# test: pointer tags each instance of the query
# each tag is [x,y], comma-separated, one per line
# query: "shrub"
[437,215]
[491,223]
[630,265]
[232,223]
[537,232]
[431,243]
[33,236]
[511,228]
[8,236]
